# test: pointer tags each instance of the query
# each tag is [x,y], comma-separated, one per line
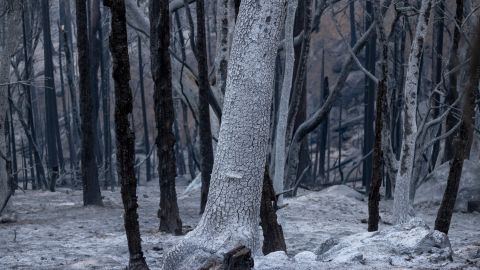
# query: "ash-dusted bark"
[125,136]
[232,213]
[91,187]
[461,142]
[164,115]
[11,13]
[374,195]
[401,203]
[205,132]
[280,134]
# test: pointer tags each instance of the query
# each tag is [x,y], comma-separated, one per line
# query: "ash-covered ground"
[55,231]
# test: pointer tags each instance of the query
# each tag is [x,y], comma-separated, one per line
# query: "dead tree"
[462,139]
[125,136]
[89,170]
[164,114]
[374,195]
[273,238]
[51,115]
[205,132]
[452,92]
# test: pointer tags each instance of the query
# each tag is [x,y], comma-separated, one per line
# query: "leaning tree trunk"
[124,133]
[12,19]
[452,92]
[164,115]
[91,187]
[401,203]
[461,142]
[232,213]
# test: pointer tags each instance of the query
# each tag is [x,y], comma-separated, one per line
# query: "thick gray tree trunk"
[232,213]
[402,204]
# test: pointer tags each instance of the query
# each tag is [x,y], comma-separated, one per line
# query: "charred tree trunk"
[369,99]
[124,134]
[437,56]
[462,139]
[452,93]
[91,187]
[374,195]
[206,148]
[273,238]
[50,100]
[164,115]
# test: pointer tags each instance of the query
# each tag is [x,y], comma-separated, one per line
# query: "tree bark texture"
[164,115]
[125,136]
[91,187]
[402,204]
[232,213]
[461,141]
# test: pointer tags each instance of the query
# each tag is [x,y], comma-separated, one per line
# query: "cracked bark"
[232,213]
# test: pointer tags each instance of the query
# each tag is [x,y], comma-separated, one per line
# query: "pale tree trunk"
[401,203]
[280,134]
[11,10]
[225,26]
[232,213]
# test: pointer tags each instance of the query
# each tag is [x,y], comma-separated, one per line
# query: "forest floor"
[55,231]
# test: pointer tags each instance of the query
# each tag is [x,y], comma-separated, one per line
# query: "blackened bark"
[206,148]
[461,142]
[13,145]
[91,188]
[437,72]
[164,115]
[125,137]
[50,99]
[452,93]
[273,238]
[377,157]
[369,99]
[95,50]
